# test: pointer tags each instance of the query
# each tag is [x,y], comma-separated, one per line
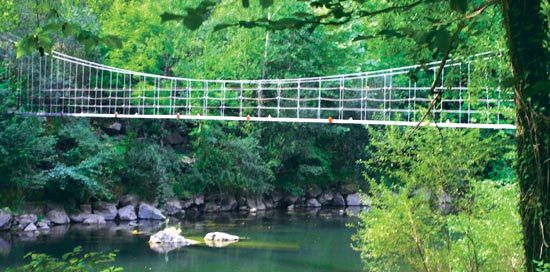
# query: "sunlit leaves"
[411,187]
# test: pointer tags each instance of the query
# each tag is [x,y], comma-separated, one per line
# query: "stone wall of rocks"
[315,197]
[131,208]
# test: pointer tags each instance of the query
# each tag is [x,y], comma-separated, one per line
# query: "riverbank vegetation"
[444,199]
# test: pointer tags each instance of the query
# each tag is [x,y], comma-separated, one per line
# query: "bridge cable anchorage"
[469,94]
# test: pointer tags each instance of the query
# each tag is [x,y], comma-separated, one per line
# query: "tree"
[449,27]
[526,33]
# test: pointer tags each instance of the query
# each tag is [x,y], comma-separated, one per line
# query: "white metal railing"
[62,85]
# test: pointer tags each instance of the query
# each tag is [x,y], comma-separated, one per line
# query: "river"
[314,240]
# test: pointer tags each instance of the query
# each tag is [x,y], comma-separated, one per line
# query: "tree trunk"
[266,46]
[525,31]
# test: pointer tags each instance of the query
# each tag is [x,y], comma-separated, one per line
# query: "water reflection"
[300,240]
[5,247]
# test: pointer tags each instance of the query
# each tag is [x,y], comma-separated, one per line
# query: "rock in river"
[147,211]
[93,219]
[338,200]
[353,199]
[5,220]
[127,213]
[107,210]
[25,220]
[313,203]
[58,216]
[168,239]
[219,239]
[173,207]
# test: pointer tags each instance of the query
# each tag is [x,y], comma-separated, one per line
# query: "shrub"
[74,261]
[430,211]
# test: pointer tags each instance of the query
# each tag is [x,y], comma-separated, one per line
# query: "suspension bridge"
[469,92]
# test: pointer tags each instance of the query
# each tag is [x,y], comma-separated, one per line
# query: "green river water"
[315,240]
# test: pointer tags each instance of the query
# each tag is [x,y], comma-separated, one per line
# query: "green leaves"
[194,18]
[41,40]
[266,3]
[459,5]
[441,39]
[74,261]
[167,16]
[411,188]
[223,26]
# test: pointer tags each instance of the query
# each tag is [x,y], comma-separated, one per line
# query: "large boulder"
[77,218]
[105,209]
[211,207]
[127,213]
[43,225]
[187,203]
[116,126]
[276,196]
[128,199]
[147,211]
[353,200]
[313,191]
[313,203]
[93,219]
[228,204]
[255,203]
[30,227]
[85,208]
[199,199]
[173,207]
[58,216]
[347,189]
[338,200]
[168,239]
[219,239]
[260,204]
[87,218]
[6,220]
[325,198]
[26,219]
[269,204]
[291,199]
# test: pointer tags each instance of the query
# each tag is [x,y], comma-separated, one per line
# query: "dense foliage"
[433,202]
[80,161]
[432,209]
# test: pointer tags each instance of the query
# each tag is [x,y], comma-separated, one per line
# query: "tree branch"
[364,13]
[478,10]
[437,97]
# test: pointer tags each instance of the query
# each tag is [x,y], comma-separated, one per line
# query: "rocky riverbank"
[130,208]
